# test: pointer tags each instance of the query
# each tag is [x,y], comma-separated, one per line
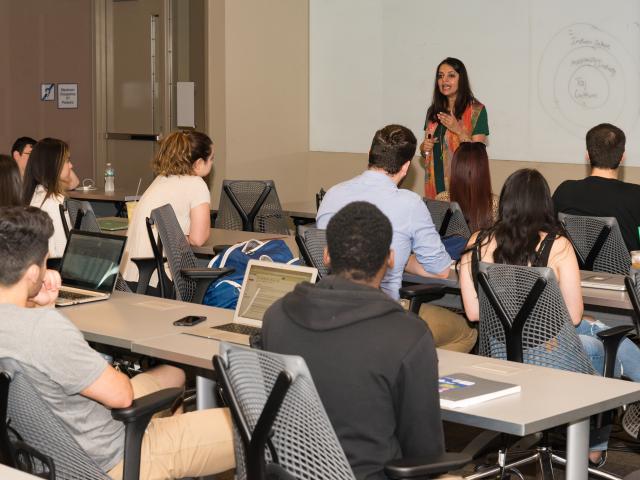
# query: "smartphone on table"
[189,321]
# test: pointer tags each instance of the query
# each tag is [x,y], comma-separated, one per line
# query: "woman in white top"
[47,176]
[182,161]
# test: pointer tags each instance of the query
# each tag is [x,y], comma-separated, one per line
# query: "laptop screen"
[92,260]
[266,282]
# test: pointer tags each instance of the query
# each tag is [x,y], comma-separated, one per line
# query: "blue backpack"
[224,292]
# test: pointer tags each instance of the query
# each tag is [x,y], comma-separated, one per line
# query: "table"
[574,398]
[220,236]
[144,325]
[117,198]
[301,213]
[8,473]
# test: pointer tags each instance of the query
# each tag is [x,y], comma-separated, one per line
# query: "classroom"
[529,289]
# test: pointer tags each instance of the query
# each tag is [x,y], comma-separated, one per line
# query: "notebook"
[89,267]
[264,282]
[459,390]
[112,224]
[605,281]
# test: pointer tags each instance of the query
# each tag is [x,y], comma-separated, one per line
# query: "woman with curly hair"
[182,161]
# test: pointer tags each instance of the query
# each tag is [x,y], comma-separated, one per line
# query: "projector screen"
[546,71]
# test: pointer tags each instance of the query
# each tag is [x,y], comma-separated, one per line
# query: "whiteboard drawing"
[586,77]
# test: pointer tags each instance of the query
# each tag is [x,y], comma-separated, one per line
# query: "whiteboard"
[547,71]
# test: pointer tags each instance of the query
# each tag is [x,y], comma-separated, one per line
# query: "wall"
[261,98]
[43,41]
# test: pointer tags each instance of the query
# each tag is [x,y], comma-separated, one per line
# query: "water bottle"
[109,178]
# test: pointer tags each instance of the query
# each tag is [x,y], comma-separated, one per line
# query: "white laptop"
[604,281]
[89,267]
[264,283]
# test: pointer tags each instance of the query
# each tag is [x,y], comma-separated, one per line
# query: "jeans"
[627,359]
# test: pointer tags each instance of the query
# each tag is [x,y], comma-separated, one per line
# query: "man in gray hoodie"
[374,364]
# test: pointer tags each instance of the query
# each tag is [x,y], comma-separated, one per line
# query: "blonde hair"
[179,151]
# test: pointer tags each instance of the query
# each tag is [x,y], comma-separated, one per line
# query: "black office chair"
[448,218]
[523,318]
[312,241]
[252,206]
[597,242]
[319,196]
[81,216]
[46,447]
[281,429]
[190,276]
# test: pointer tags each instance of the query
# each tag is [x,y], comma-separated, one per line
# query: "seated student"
[10,183]
[392,150]
[20,151]
[374,364]
[182,161]
[470,185]
[602,194]
[527,233]
[76,381]
[46,177]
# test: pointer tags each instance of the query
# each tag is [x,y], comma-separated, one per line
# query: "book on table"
[459,390]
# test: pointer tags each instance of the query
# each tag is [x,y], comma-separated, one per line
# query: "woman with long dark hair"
[470,186]
[454,117]
[48,173]
[10,183]
[527,233]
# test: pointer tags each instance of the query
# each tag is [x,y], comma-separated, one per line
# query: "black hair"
[525,210]
[24,241]
[358,239]
[20,143]
[10,182]
[464,97]
[391,148]
[44,168]
[605,144]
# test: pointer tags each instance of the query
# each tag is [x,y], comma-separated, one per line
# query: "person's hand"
[427,145]
[49,291]
[451,122]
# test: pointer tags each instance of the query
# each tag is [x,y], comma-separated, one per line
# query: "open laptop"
[263,284]
[604,281]
[89,267]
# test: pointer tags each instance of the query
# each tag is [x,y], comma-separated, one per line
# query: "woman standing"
[46,178]
[454,117]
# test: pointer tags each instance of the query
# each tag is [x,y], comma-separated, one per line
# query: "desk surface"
[549,397]
[220,236]
[7,473]
[100,195]
[303,209]
[592,297]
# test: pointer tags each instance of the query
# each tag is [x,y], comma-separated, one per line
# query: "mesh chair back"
[631,420]
[122,285]
[82,216]
[632,284]
[176,249]
[547,338]
[303,438]
[596,250]
[311,242]
[251,205]
[34,420]
[448,218]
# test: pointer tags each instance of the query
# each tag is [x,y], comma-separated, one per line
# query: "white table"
[7,473]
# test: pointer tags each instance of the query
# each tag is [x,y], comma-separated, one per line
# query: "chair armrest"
[611,339]
[146,266]
[136,418]
[419,294]
[205,272]
[147,405]
[422,467]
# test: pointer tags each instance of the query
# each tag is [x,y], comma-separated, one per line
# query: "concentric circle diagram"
[586,77]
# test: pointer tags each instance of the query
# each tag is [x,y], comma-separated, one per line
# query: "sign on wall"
[47,92]
[67,95]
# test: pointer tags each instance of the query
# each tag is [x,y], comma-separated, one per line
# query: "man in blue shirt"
[390,156]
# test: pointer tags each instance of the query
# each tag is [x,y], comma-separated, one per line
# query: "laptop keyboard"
[239,328]
[73,295]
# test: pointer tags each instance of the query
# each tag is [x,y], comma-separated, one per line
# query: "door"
[138,93]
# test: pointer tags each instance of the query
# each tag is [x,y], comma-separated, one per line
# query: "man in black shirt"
[602,194]
[374,364]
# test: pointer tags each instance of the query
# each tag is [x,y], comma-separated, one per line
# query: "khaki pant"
[188,445]
[450,331]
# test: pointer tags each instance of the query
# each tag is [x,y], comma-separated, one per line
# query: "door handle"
[145,137]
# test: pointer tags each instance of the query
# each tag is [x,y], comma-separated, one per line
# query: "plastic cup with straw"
[131,205]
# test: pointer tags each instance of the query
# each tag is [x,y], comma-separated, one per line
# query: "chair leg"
[545,462]
[508,467]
